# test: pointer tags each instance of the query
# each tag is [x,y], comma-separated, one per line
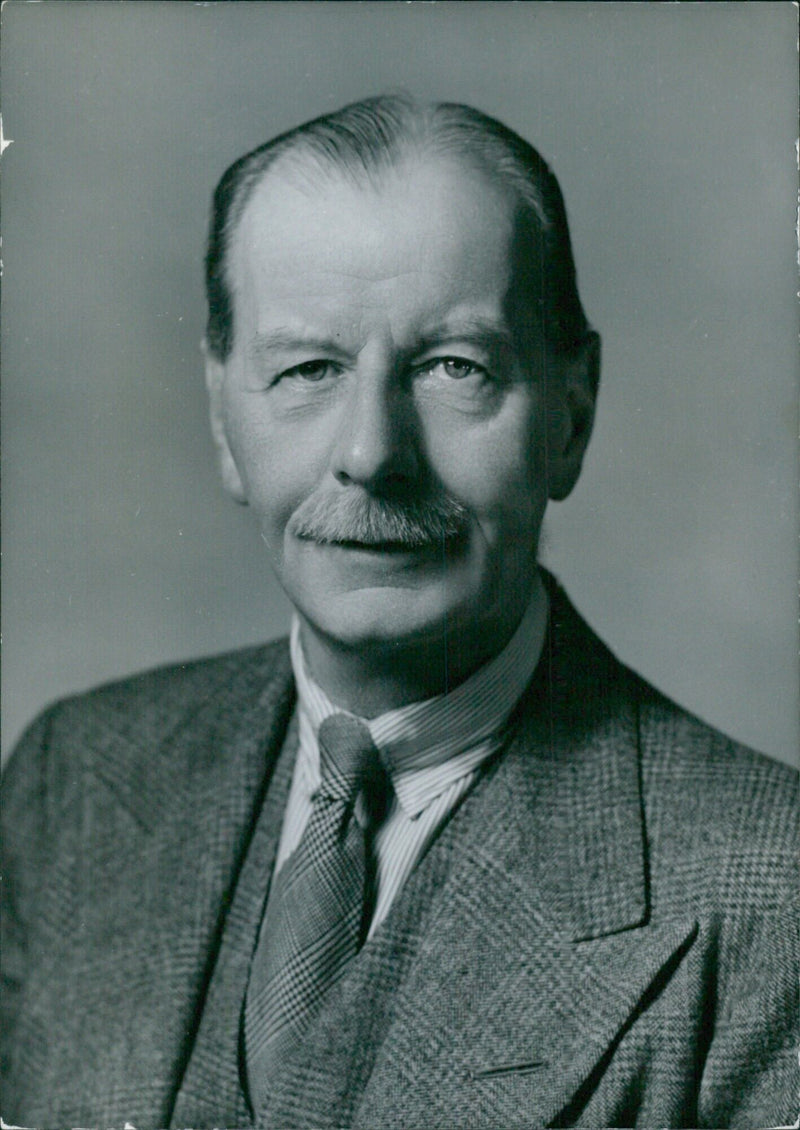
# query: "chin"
[381,619]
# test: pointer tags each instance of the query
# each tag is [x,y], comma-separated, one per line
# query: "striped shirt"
[432,750]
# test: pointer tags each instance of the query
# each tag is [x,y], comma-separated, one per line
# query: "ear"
[571,416]
[215,377]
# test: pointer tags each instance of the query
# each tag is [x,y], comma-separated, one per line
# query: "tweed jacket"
[601,936]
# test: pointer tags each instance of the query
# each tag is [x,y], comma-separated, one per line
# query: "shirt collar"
[413,740]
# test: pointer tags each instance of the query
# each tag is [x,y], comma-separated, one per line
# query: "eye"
[455,368]
[310,371]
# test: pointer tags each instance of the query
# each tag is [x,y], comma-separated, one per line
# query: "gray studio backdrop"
[672,129]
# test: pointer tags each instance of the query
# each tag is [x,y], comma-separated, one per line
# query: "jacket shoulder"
[130,720]
[719,819]
[167,694]
[683,759]
[697,767]
[719,814]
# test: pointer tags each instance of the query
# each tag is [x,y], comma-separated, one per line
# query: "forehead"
[432,233]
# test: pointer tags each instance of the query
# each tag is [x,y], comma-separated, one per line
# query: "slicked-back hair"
[366,139]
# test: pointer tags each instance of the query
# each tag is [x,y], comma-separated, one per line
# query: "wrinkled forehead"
[441,219]
[305,214]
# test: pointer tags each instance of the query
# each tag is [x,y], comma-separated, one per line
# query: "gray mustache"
[374,521]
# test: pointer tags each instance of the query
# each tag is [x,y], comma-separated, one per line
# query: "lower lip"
[386,554]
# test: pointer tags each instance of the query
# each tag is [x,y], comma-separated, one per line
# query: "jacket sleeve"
[752,1076]
[33,804]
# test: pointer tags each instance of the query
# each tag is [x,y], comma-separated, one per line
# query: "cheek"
[267,461]
[496,468]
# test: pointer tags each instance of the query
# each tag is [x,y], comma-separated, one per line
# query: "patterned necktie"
[318,911]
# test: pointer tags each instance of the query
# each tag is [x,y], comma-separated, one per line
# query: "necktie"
[318,910]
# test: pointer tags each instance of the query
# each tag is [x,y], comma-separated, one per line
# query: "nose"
[376,444]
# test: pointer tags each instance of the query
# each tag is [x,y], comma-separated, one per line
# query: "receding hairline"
[421,130]
[310,178]
[361,143]
[309,172]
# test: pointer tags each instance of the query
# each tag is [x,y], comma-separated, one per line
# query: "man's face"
[379,412]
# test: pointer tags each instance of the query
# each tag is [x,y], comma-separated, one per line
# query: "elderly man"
[442,860]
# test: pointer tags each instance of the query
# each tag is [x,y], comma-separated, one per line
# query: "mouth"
[436,549]
[381,546]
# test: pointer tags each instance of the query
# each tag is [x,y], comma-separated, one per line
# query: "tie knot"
[347,757]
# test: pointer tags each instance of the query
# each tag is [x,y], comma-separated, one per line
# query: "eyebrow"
[473,331]
[285,338]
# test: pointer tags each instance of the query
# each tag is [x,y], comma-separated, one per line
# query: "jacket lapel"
[211,1090]
[538,951]
[162,853]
